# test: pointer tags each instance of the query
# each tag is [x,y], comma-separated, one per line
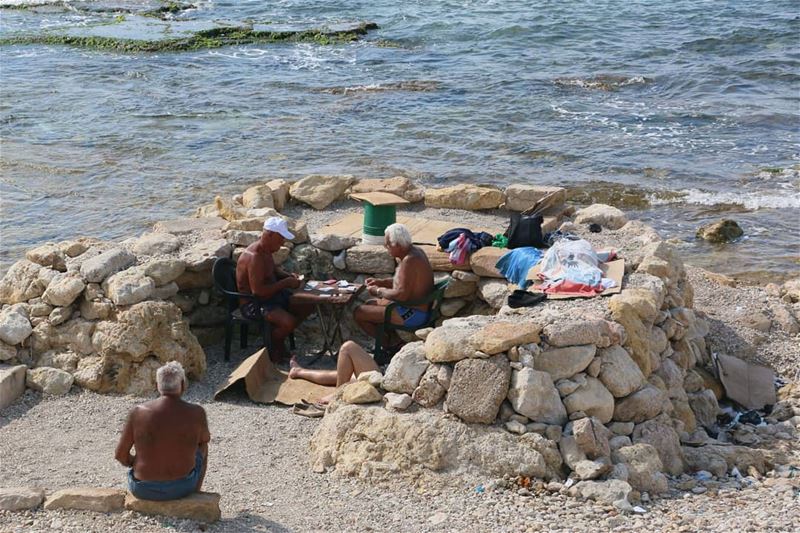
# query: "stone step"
[12,384]
[87,499]
[200,506]
[20,498]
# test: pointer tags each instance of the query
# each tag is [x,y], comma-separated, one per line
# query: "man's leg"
[283,323]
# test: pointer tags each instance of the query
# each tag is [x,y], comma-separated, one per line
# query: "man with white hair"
[256,273]
[413,280]
[170,437]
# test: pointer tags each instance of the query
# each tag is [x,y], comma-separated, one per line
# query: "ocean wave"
[749,200]
[602,82]
[411,85]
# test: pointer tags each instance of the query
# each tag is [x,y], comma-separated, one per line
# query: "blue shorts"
[256,310]
[167,490]
[413,318]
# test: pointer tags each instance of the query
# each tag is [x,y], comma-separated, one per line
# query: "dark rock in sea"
[725,230]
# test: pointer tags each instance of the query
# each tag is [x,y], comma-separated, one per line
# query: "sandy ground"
[258,462]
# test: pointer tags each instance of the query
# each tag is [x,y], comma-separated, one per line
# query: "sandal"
[303,408]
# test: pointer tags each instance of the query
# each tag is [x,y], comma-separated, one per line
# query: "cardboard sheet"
[266,384]
[613,269]
[750,385]
[379,198]
[423,230]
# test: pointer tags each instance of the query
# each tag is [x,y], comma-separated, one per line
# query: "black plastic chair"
[434,301]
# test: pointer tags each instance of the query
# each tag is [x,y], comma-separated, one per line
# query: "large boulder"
[20,498]
[128,287]
[618,372]
[372,442]
[156,244]
[591,436]
[430,390]
[520,197]
[12,384]
[280,192]
[49,255]
[183,226]
[99,267]
[722,231]
[532,394]
[592,399]
[360,392]
[164,271]
[469,197]
[199,506]
[644,467]
[478,387]
[665,440]
[406,369]
[74,335]
[607,492]
[636,309]
[86,499]
[642,405]
[398,185]
[483,262]
[258,197]
[201,256]
[498,337]
[49,380]
[15,326]
[705,407]
[368,259]
[320,191]
[588,330]
[494,292]
[333,243]
[21,283]
[229,209]
[719,459]
[602,214]
[455,339]
[63,289]
[564,362]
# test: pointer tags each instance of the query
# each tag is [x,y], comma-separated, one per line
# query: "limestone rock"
[368,259]
[86,499]
[533,394]
[570,451]
[7,351]
[242,238]
[20,498]
[228,209]
[75,335]
[619,441]
[165,292]
[164,271]
[280,192]
[430,391]
[454,339]
[494,292]
[478,387]
[333,243]
[63,289]
[607,492]
[376,443]
[397,402]
[644,467]
[398,185]
[15,327]
[21,283]
[483,262]
[360,392]
[406,369]
[520,197]
[719,459]
[665,441]
[722,231]
[636,310]
[451,307]
[49,380]
[373,377]
[320,191]
[498,337]
[202,255]
[128,287]
[705,407]
[618,372]
[59,315]
[642,405]
[62,360]
[593,399]
[195,280]
[99,310]
[457,288]
[74,248]
[592,436]
[311,261]
[589,330]
[99,267]
[564,362]
[467,277]
[156,244]
[469,197]
[12,385]
[257,197]
[602,214]
[48,255]
[200,506]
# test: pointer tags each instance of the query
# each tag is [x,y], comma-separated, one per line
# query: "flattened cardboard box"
[613,269]
[266,384]
[379,198]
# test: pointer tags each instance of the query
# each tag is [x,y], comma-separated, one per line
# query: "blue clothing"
[413,318]
[256,310]
[516,263]
[167,490]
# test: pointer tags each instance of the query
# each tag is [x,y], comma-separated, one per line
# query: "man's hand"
[374,290]
[370,282]
[292,282]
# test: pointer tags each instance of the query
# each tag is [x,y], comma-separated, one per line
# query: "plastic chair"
[434,300]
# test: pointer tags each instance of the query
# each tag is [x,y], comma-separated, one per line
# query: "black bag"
[525,231]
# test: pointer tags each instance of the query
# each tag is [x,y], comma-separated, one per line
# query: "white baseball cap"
[278,225]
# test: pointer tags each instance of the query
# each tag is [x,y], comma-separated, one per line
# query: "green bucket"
[377,218]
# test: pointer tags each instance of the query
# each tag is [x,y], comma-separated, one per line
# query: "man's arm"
[123,452]
[399,290]
[257,275]
[205,437]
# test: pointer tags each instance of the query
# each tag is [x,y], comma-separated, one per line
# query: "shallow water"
[672,108]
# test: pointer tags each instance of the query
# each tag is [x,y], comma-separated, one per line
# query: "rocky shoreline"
[607,399]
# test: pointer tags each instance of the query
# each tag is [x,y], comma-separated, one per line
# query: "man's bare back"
[416,274]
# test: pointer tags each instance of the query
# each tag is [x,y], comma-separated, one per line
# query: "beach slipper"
[309,410]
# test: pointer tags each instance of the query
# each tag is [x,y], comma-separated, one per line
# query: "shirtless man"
[171,440]
[413,280]
[256,273]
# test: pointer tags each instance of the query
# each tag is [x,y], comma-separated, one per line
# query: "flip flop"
[306,409]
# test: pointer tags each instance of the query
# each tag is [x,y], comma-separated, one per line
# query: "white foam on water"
[747,199]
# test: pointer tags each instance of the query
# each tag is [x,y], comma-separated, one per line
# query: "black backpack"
[525,231]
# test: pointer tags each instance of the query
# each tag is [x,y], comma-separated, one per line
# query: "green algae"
[215,37]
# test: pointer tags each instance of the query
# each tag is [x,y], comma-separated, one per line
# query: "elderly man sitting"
[171,441]
[413,280]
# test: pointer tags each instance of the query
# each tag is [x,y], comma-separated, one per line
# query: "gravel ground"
[258,461]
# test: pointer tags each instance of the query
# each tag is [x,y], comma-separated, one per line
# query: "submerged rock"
[725,230]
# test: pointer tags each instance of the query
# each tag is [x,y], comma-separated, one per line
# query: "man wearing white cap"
[256,273]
